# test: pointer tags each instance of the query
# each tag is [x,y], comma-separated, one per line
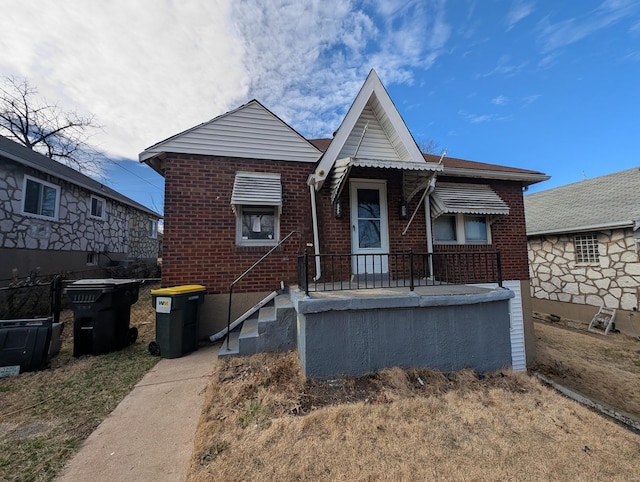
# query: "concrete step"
[283,301]
[233,348]
[249,336]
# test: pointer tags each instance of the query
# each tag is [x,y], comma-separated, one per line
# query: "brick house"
[55,219]
[367,206]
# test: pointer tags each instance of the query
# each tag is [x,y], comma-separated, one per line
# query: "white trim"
[461,238]
[44,183]
[529,178]
[257,242]
[516,324]
[371,88]
[381,186]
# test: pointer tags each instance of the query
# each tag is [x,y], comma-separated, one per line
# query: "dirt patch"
[605,368]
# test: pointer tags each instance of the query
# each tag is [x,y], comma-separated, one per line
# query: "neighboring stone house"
[583,248]
[237,185]
[55,219]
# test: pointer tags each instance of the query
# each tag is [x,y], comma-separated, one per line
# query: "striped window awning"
[257,189]
[418,174]
[453,198]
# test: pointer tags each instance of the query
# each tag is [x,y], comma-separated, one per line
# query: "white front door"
[369,226]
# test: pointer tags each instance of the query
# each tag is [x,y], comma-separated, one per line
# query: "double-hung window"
[40,198]
[257,201]
[97,207]
[461,229]
[462,212]
[152,228]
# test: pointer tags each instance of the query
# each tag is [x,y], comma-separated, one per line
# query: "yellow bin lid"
[179,290]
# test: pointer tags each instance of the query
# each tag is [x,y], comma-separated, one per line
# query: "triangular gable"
[250,131]
[372,129]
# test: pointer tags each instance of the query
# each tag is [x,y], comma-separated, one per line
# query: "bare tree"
[30,120]
[428,146]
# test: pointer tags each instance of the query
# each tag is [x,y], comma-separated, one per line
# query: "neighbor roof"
[25,156]
[606,202]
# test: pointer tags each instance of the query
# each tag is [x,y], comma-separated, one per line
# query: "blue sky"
[544,85]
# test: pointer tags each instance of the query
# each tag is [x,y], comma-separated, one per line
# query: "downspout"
[314,217]
[427,216]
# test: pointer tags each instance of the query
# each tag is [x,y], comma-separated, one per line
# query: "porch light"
[337,208]
[404,210]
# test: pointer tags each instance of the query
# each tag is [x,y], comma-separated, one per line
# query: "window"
[586,248]
[475,229]
[97,207]
[92,259]
[152,231]
[40,198]
[444,229]
[461,229]
[257,225]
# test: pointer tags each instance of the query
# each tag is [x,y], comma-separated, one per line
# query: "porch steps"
[271,329]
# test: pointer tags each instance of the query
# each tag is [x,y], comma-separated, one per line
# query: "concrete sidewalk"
[149,436]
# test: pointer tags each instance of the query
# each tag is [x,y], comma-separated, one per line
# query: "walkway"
[149,436]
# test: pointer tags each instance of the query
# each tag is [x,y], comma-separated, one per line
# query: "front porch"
[408,315]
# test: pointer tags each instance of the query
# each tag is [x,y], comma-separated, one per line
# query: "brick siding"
[200,226]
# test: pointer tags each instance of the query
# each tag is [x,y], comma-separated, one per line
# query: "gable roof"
[604,202]
[463,168]
[251,131]
[25,156]
[372,129]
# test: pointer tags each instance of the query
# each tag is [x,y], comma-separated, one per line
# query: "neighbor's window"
[153,228]
[586,248]
[461,229]
[40,198]
[97,207]
[92,259]
[257,225]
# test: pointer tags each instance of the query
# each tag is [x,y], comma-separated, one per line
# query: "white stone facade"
[613,281]
[124,229]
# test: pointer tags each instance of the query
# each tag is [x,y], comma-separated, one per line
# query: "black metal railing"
[239,278]
[396,270]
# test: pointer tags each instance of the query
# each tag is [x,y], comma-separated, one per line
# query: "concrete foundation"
[445,328]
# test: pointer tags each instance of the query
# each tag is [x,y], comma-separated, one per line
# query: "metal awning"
[256,189]
[453,198]
[416,174]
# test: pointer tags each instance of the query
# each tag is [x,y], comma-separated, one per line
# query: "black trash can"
[101,314]
[24,345]
[177,316]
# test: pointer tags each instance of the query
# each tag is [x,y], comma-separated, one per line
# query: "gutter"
[502,175]
[311,181]
[578,229]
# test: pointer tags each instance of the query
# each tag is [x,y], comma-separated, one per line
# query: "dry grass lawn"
[263,421]
[46,415]
[605,368]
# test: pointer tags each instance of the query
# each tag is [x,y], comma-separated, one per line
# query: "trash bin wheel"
[133,335]
[154,348]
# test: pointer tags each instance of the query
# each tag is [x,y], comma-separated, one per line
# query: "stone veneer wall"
[123,231]
[612,282]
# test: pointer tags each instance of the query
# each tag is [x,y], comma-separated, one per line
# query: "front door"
[369,227]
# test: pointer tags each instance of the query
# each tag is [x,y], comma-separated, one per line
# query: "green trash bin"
[177,315]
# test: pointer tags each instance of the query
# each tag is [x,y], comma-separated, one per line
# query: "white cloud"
[555,35]
[500,100]
[148,70]
[530,99]
[505,67]
[519,10]
[481,118]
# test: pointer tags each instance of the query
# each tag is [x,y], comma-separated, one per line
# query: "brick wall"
[200,226]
